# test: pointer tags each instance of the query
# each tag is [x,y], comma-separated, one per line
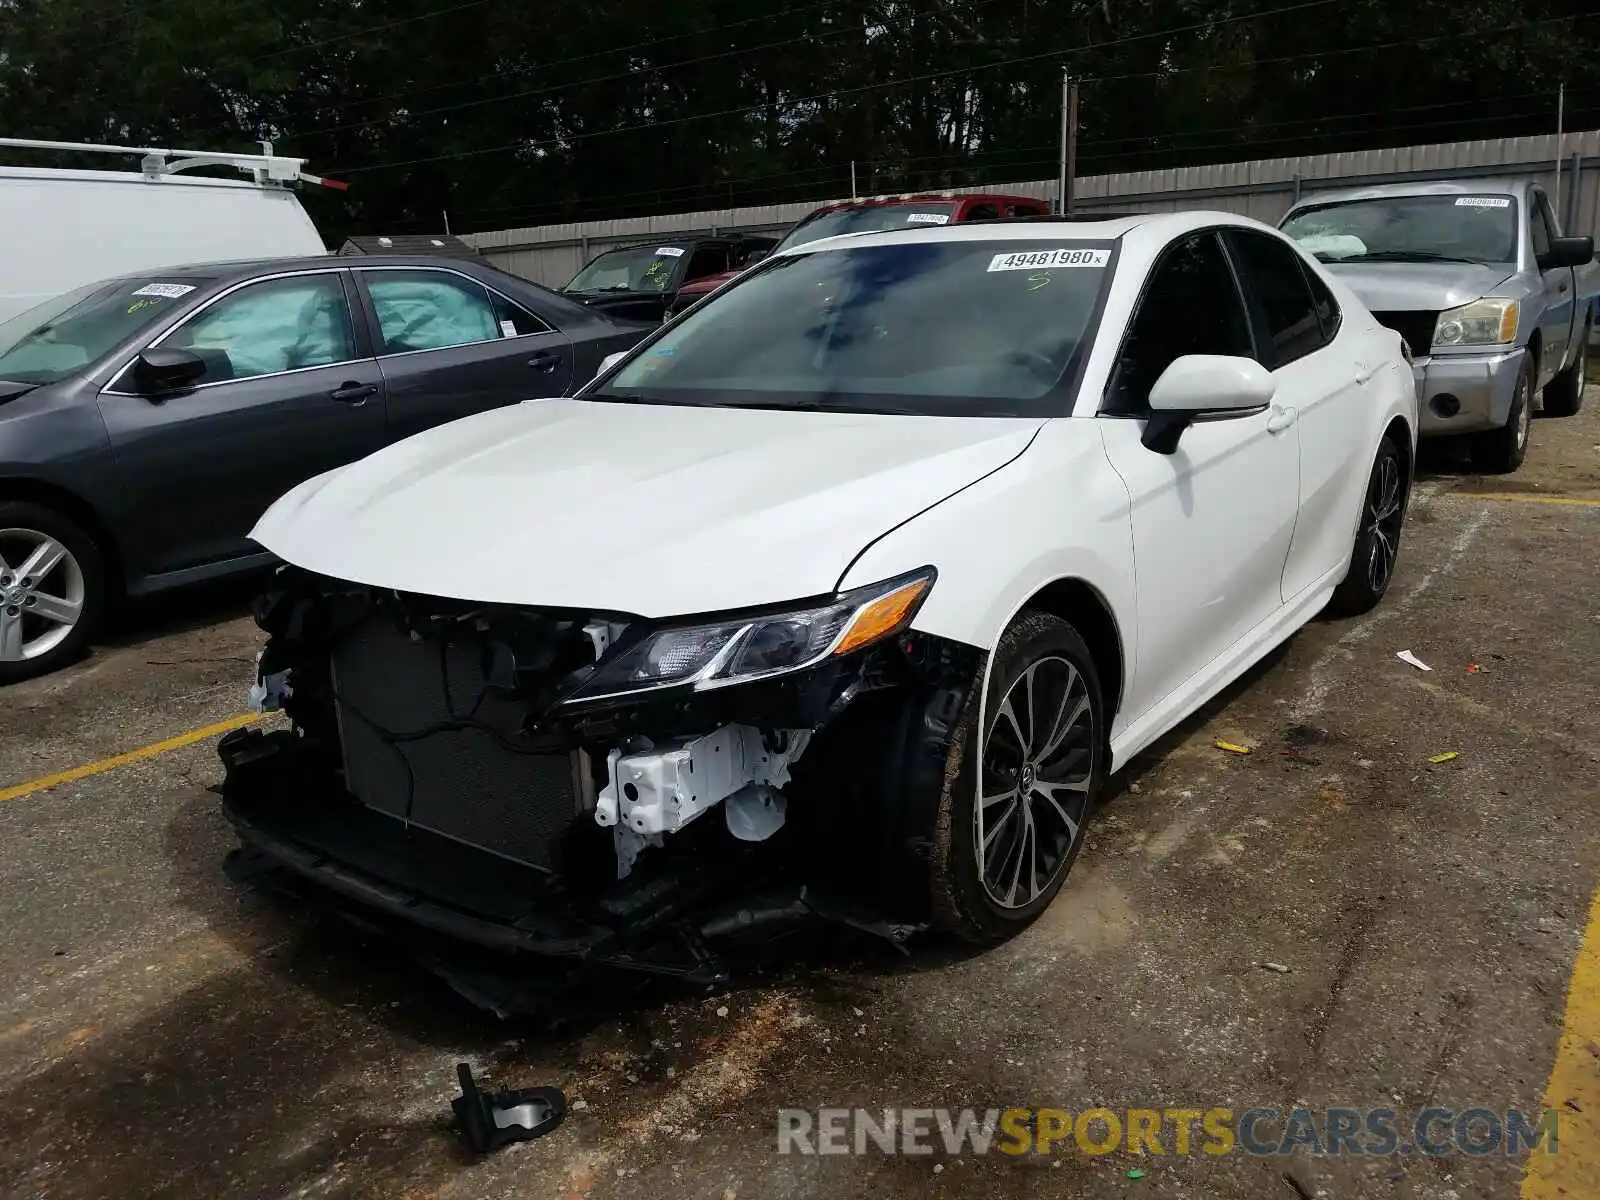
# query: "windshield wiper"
[1405,256]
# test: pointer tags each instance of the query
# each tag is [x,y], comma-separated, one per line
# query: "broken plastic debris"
[1406,656]
[490,1121]
[1277,967]
[1445,757]
[1135,1173]
[1233,748]
[1474,669]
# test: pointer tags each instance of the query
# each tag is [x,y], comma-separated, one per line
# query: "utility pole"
[1069,143]
[1561,115]
[446,214]
[853,194]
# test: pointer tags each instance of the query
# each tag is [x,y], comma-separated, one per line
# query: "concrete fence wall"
[1263,188]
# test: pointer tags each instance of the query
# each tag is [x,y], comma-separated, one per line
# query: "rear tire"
[1377,548]
[52,590]
[1041,758]
[1501,451]
[1564,395]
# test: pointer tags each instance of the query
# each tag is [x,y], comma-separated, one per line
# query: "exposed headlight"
[1481,323]
[742,649]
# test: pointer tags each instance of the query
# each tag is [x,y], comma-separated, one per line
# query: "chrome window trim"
[173,326]
[517,304]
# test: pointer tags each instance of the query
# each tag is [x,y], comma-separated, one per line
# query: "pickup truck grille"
[1415,327]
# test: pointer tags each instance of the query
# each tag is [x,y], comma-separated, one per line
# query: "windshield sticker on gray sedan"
[168,291]
[1483,202]
[670,251]
[1031,260]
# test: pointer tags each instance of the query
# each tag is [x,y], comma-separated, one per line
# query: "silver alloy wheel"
[1524,411]
[1036,767]
[1385,504]
[42,594]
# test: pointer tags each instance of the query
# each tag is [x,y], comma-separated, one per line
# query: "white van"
[60,229]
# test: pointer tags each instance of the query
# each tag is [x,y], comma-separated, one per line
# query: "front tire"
[1003,849]
[52,590]
[1377,548]
[1564,395]
[1501,451]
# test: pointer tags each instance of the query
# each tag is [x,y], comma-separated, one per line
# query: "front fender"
[1056,512]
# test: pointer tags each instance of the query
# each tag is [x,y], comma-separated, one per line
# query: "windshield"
[947,328]
[868,218]
[78,328]
[635,269]
[1479,229]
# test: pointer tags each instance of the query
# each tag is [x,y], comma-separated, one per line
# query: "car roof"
[1161,225]
[667,239]
[242,268]
[1385,191]
[927,198]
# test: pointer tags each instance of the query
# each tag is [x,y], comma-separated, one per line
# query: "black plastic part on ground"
[490,1120]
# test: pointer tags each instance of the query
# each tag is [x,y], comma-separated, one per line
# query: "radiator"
[461,783]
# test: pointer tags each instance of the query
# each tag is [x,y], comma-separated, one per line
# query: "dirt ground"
[163,1033]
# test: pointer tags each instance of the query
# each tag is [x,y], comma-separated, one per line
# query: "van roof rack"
[154,161]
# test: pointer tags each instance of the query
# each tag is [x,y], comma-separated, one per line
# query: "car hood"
[653,510]
[1408,287]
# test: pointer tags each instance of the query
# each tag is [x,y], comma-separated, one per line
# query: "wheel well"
[1400,434]
[1079,604]
[69,504]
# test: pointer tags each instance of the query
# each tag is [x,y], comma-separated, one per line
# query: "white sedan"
[848,588]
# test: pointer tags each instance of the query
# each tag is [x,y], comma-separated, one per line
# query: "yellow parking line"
[1575,501]
[1574,1087]
[45,782]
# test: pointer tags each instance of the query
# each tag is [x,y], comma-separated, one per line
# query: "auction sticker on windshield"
[1030,260]
[168,291]
[927,219]
[1483,202]
[670,251]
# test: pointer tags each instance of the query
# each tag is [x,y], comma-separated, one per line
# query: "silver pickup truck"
[1495,305]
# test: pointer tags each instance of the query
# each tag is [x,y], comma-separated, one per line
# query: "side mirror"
[1567,252]
[610,361]
[161,370]
[1204,385]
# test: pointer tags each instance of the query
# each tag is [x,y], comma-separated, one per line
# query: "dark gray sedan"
[147,421]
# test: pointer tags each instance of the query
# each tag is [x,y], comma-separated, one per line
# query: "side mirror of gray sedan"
[162,370]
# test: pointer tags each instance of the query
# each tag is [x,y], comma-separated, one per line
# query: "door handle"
[355,394]
[1364,371]
[1281,419]
[544,360]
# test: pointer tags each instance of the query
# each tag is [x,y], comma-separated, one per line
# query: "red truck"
[870,216]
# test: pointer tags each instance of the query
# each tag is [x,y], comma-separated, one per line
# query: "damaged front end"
[593,788]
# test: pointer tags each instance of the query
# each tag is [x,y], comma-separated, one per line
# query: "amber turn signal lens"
[881,617]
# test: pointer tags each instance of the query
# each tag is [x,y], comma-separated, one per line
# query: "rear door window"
[431,310]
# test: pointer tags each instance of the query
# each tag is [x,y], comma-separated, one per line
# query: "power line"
[984,159]
[562,62]
[553,89]
[301,47]
[837,93]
